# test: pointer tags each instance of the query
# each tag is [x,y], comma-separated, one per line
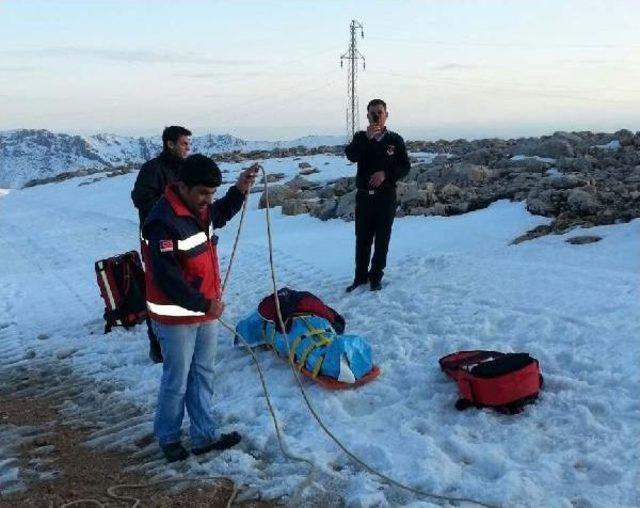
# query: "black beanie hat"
[198,169]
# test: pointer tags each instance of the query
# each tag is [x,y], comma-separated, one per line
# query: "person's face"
[181,147]
[198,197]
[378,111]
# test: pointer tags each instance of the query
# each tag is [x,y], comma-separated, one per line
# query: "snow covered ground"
[452,283]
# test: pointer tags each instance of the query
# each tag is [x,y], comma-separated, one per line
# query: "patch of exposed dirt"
[58,468]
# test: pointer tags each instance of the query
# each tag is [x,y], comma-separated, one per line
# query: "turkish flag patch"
[166,245]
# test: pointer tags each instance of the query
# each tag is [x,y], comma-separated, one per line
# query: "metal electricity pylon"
[352,56]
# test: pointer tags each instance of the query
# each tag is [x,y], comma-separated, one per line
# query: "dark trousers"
[374,220]
[153,339]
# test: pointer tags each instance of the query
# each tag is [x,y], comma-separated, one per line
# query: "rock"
[583,203]
[418,210]
[571,137]
[437,209]
[325,210]
[415,170]
[536,232]
[581,240]
[277,195]
[440,159]
[457,208]
[450,193]
[540,206]
[523,182]
[625,137]
[308,171]
[552,148]
[304,165]
[581,164]
[295,207]
[461,174]
[326,192]
[344,185]
[308,194]
[562,181]
[483,156]
[300,183]
[273,177]
[346,206]
[529,164]
[410,195]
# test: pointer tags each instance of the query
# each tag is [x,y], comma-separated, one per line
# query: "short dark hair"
[198,169]
[172,134]
[377,102]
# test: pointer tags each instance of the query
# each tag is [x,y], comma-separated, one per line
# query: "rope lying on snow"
[111,491]
[332,436]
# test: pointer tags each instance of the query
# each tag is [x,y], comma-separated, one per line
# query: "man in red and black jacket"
[382,160]
[183,299]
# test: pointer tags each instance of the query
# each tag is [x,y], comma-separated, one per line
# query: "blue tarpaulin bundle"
[315,348]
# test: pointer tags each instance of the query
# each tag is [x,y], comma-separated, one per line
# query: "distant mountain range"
[28,154]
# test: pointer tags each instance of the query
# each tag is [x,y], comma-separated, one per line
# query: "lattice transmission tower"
[353,56]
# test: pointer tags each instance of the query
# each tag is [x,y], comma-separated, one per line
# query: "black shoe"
[155,353]
[222,443]
[376,285]
[174,452]
[356,283]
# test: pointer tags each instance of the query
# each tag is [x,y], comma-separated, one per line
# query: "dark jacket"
[152,179]
[182,275]
[388,155]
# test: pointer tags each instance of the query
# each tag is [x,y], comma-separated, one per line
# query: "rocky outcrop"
[577,179]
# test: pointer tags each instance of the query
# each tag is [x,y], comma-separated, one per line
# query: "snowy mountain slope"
[452,283]
[30,154]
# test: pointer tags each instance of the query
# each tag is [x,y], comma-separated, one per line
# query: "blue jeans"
[189,353]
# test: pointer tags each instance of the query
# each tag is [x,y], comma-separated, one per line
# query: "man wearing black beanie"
[183,299]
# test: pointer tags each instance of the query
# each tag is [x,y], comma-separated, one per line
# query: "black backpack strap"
[462,404]
[463,359]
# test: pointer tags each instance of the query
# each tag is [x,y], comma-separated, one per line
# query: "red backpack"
[121,283]
[503,381]
[293,303]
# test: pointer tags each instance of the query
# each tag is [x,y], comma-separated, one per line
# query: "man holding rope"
[183,299]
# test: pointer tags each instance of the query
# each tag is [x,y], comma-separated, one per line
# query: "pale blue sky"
[270,69]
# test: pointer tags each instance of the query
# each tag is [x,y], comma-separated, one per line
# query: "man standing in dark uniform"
[153,178]
[382,160]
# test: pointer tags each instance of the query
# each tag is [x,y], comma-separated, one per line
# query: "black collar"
[170,159]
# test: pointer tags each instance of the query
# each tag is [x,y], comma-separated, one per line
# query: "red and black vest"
[195,281]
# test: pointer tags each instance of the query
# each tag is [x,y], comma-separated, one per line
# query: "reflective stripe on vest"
[171,310]
[188,243]
[192,241]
